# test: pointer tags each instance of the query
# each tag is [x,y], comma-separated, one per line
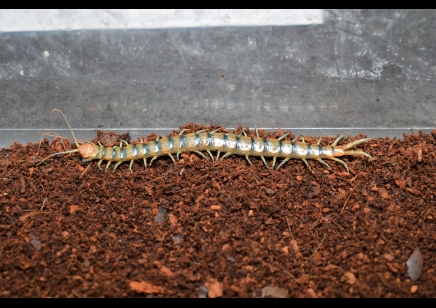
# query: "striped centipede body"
[209,142]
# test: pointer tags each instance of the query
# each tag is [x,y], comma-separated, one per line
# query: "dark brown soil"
[199,229]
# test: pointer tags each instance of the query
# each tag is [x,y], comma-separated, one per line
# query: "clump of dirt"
[199,229]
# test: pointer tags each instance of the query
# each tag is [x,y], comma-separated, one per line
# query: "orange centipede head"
[87,150]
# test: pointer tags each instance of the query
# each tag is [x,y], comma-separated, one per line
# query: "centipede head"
[87,150]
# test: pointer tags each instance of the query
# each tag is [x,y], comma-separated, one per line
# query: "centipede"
[228,144]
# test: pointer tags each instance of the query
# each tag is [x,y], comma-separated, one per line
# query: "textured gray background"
[364,71]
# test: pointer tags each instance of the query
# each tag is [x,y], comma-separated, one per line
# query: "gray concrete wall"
[364,71]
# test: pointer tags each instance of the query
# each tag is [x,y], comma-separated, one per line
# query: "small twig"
[289,227]
[292,276]
[43,204]
[207,174]
[25,224]
[316,250]
[89,165]
[51,135]
[349,196]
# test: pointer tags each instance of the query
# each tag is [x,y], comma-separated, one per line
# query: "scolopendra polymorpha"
[218,142]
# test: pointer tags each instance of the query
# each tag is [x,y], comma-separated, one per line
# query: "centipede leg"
[157,138]
[264,161]
[217,155]
[214,131]
[210,154]
[307,164]
[99,164]
[169,154]
[182,131]
[340,161]
[178,154]
[130,166]
[152,159]
[283,137]
[337,141]
[117,164]
[319,141]
[243,132]
[225,155]
[295,139]
[257,132]
[248,159]
[323,162]
[274,162]
[107,165]
[283,162]
[198,152]
[123,141]
[354,143]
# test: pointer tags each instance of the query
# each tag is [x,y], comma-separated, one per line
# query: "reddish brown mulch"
[228,229]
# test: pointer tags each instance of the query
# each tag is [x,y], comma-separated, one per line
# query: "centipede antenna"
[72,133]
[66,152]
